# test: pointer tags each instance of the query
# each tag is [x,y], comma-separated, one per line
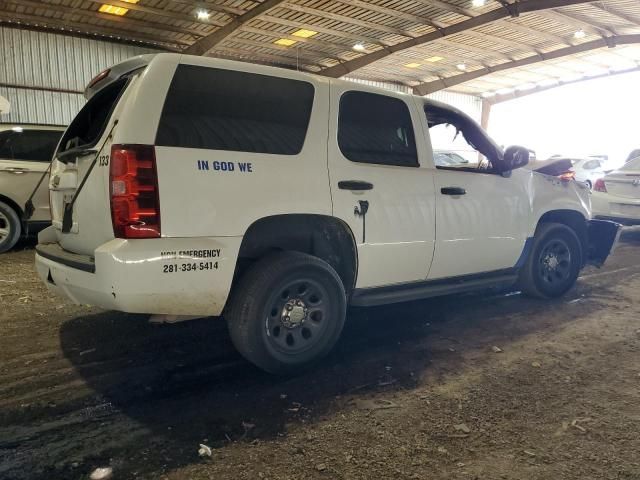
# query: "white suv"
[25,154]
[196,186]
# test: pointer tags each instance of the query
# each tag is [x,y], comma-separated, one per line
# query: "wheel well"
[12,204]
[322,236]
[572,219]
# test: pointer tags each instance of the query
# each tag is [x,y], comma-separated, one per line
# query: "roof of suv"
[31,126]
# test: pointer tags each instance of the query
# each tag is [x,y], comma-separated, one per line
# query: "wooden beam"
[206,44]
[572,19]
[447,7]
[633,20]
[131,22]
[309,53]
[267,58]
[430,87]
[310,40]
[523,6]
[159,12]
[88,30]
[420,20]
[349,20]
[329,31]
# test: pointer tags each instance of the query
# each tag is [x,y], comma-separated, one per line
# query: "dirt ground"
[467,387]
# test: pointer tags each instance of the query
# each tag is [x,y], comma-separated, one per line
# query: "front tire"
[10,227]
[554,262]
[287,312]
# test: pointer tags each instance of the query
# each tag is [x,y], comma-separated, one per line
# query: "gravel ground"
[466,387]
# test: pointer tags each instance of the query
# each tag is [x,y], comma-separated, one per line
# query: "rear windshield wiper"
[65,156]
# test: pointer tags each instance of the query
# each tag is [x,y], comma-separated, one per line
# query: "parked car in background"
[25,154]
[588,170]
[585,170]
[617,195]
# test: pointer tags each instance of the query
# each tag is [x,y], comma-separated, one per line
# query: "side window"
[30,145]
[236,111]
[376,129]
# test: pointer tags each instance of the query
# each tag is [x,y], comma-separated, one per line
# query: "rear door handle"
[453,191]
[358,185]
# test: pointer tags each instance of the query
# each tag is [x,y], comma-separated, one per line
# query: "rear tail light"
[133,185]
[567,176]
[600,186]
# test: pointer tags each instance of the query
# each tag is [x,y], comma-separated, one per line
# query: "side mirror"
[515,157]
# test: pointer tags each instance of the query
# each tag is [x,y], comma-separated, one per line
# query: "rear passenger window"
[376,129]
[31,145]
[227,110]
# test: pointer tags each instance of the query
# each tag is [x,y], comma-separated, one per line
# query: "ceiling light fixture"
[434,59]
[285,42]
[478,3]
[461,66]
[203,15]
[412,65]
[580,34]
[304,33]
[359,47]
[113,10]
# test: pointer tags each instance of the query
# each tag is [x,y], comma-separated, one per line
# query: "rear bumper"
[602,237]
[156,276]
[622,209]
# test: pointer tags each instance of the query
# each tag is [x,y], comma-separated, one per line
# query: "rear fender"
[602,238]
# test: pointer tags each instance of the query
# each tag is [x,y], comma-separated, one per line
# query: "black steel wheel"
[554,262]
[287,312]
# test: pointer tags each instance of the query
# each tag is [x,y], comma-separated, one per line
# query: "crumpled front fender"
[602,239]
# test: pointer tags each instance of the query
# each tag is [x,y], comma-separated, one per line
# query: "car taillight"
[567,176]
[133,185]
[600,186]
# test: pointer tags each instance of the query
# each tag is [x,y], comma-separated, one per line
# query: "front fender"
[602,239]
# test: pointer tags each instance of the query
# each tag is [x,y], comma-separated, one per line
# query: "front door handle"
[453,191]
[16,170]
[358,185]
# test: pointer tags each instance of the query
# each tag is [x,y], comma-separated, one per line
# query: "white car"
[588,170]
[25,154]
[617,195]
[197,186]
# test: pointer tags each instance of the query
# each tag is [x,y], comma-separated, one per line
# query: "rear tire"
[588,182]
[10,227]
[554,262]
[287,312]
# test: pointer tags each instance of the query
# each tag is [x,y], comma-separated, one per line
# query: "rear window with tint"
[32,145]
[227,110]
[88,126]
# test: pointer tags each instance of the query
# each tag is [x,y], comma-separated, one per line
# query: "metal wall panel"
[52,61]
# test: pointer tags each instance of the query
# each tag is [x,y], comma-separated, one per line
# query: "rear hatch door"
[83,157]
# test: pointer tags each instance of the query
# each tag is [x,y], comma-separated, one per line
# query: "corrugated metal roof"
[380,25]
